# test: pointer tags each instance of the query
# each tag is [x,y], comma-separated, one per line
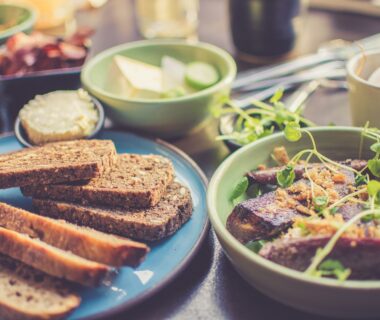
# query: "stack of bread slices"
[89,201]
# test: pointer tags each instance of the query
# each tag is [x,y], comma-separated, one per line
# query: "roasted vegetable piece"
[268,176]
[361,255]
[259,218]
[268,215]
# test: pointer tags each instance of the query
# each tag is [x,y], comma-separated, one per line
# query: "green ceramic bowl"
[20,19]
[164,117]
[349,299]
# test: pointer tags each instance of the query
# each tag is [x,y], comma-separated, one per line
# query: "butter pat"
[59,116]
[135,79]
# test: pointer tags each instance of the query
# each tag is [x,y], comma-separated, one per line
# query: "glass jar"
[167,18]
[265,30]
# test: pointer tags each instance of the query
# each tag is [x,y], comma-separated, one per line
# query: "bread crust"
[128,184]
[84,242]
[51,260]
[56,163]
[18,274]
[150,224]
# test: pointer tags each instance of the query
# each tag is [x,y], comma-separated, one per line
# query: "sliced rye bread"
[82,241]
[27,293]
[51,260]
[56,162]
[135,181]
[155,223]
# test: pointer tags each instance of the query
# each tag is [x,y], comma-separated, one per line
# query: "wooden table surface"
[210,288]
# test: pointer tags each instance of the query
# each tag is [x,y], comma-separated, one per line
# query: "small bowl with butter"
[164,88]
[59,116]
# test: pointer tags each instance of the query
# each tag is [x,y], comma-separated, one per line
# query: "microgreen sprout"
[320,203]
[286,176]
[261,120]
[333,268]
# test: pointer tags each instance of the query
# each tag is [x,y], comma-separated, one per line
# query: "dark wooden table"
[210,288]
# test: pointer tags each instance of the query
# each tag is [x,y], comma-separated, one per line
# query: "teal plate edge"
[108,301]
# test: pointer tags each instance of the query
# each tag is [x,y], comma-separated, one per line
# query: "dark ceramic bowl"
[22,137]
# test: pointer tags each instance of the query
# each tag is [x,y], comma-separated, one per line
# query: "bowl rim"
[226,80]
[253,258]
[23,26]
[22,138]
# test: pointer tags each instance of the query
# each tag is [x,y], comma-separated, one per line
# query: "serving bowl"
[22,137]
[160,117]
[25,16]
[329,297]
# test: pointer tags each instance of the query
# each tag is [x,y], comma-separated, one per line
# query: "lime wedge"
[200,75]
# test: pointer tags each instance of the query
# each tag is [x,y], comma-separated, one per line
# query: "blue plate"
[132,286]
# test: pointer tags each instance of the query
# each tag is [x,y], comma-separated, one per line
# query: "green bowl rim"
[222,232]
[28,23]
[226,80]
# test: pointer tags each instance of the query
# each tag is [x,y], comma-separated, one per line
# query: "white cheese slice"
[135,79]
[173,73]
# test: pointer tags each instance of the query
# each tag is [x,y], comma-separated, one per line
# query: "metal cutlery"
[334,53]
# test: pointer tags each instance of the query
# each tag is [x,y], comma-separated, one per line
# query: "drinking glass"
[54,16]
[265,30]
[167,18]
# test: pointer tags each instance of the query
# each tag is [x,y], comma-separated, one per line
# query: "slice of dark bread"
[56,162]
[82,241]
[27,293]
[155,223]
[51,260]
[135,181]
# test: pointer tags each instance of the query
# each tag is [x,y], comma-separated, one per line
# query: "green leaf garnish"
[255,246]
[375,147]
[373,188]
[370,218]
[360,180]
[286,176]
[334,268]
[277,96]
[374,167]
[292,131]
[320,203]
[240,188]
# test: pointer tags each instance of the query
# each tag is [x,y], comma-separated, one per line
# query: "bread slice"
[155,223]
[135,181]
[51,260]
[27,293]
[84,242]
[56,162]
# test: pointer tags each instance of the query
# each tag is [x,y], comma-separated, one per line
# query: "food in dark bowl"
[24,54]
[39,65]
[311,213]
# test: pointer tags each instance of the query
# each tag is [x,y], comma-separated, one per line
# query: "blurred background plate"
[15,18]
